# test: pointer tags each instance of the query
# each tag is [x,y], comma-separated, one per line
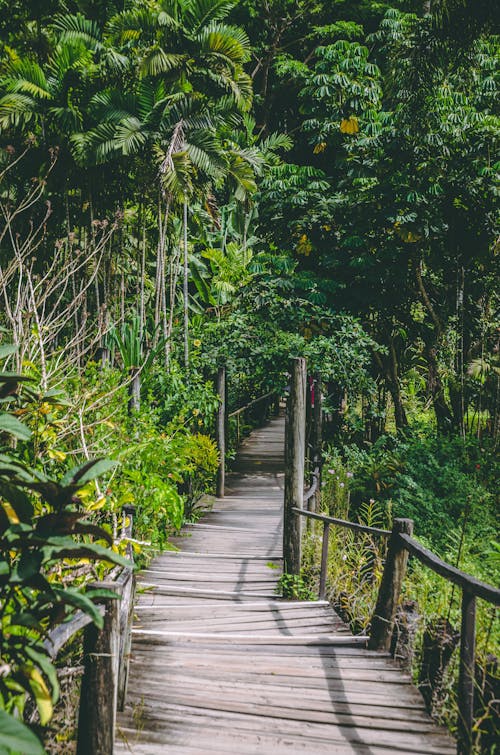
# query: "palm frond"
[68,119]
[24,75]
[75,27]
[176,179]
[114,61]
[229,43]
[199,13]
[113,106]
[209,163]
[130,136]
[242,176]
[68,56]
[130,25]
[156,62]
[16,109]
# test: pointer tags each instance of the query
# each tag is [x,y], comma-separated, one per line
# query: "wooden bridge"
[220,664]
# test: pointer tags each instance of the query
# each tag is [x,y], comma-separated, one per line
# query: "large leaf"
[44,663]
[81,601]
[18,499]
[41,694]
[6,349]
[27,567]
[87,472]
[11,425]
[16,737]
[65,547]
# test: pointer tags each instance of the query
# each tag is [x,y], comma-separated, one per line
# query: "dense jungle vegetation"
[186,183]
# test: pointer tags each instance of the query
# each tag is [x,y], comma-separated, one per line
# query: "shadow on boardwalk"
[220,664]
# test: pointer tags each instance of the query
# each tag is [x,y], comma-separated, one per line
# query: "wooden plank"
[157,636]
[188,742]
[213,723]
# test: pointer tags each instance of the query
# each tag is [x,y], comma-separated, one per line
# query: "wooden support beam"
[324,561]
[294,465]
[96,720]
[220,432]
[317,437]
[466,674]
[390,587]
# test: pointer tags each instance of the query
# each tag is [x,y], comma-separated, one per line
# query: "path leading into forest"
[220,664]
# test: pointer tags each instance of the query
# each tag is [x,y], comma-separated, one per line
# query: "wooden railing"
[106,654]
[222,421]
[400,545]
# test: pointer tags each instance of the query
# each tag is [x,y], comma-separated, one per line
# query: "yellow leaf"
[407,236]
[318,148]
[57,455]
[304,246]
[349,125]
[97,504]
[11,514]
[42,695]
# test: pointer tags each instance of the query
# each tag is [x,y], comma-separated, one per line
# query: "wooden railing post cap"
[403,525]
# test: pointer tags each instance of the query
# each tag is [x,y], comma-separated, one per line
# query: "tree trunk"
[134,403]
[186,291]
[435,389]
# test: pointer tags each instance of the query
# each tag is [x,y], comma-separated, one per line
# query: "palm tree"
[45,98]
[191,83]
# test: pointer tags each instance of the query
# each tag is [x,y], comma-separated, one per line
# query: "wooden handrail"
[222,419]
[466,581]
[401,544]
[59,636]
[343,523]
[251,403]
[314,486]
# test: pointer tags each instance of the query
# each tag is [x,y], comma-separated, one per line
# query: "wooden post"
[390,587]
[96,719]
[126,611]
[220,431]
[294,465]
[309,421]
[318,437]
[324,561]
[466,674]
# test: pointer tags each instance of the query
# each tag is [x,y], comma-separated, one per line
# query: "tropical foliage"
[186,183]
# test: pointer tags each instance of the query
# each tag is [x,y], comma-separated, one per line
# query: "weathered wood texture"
[96,720]
[220,431]
[390,587]
[220,664]
[295,448]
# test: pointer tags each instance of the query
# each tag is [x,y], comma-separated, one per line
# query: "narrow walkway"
[221,665]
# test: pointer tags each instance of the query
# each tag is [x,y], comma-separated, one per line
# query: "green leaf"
[84,528]
[11,425]
[9,382]
[27,566]
[65,547]
[81,601]
[6,350]
[16,737]
[87,472]
[18,499]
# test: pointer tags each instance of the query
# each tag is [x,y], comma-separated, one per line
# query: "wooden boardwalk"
[221,665]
